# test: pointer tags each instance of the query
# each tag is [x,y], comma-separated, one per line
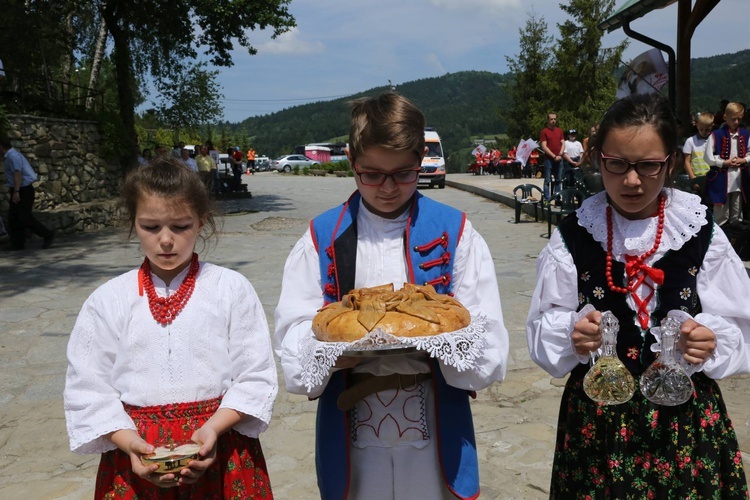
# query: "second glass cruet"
[666,382]
[609,382]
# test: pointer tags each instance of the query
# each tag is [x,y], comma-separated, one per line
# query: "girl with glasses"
[643,251]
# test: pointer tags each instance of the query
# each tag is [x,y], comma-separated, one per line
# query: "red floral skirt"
[239,471]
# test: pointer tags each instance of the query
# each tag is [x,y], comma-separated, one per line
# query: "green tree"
[35,41]
[155,37]
[583,70]
[531,87]
[190,100]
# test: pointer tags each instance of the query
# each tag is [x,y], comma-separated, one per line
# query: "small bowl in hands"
[172,459]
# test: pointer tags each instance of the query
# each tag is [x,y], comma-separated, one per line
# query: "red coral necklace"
[165,309]
[635,268]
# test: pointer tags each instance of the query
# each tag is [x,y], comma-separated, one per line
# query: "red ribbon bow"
[633,265]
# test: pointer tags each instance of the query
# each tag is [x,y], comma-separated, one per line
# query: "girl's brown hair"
[168,178]
[637,111]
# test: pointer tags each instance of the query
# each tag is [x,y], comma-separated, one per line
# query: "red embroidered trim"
[441,240]
[444,260]
[331,289]
[440,280]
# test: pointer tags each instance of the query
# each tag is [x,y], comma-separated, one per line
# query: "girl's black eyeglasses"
[620,166]
[378,178]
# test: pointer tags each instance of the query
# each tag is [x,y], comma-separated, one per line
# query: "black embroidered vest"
[680,268]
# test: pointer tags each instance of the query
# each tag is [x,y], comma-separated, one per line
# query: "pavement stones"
[41,293]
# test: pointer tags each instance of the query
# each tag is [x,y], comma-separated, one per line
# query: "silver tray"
[381,350]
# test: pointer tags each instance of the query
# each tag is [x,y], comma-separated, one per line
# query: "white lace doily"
[458,349]
[683,217]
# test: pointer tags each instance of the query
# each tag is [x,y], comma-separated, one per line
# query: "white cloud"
[291,42]
[364,43]
[488,6]
[433,61]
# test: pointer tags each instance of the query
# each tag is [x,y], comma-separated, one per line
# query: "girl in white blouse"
[173,352]
[643,251]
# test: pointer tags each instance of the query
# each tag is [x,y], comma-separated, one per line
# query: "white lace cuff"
[459,349]
[576,318]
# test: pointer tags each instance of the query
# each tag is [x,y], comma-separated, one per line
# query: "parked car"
[262,163]
[287,163]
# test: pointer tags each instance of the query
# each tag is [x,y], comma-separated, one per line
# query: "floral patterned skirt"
[640,450]
[239,471]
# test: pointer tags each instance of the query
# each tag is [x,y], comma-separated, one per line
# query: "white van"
[433,164]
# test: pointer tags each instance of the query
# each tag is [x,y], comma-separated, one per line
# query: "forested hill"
[458,105]
[465,104]
[725,76]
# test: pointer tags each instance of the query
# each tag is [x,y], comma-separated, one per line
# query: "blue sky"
[341,47]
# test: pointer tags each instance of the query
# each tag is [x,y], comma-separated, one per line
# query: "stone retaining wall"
[76,190]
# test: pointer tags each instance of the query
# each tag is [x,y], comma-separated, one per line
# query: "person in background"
[588,159]
[572,155]
[643,251]
[177,149]
[719,115]
[551,140]
[727,154]
[251,160]
[141,159]
[175,351]
[162,151]
[694,151]
[534,163]
[379,236]
[187,160]
[20,178]
[204,163]
[214,155]
[235,160]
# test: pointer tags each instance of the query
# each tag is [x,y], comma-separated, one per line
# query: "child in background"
[728,153]
[175,351]
[694,151]
[378,236]
[678,263]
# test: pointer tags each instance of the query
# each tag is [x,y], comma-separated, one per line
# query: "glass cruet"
[666,382]
[608,381]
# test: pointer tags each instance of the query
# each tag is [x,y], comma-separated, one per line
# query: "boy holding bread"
[391,427]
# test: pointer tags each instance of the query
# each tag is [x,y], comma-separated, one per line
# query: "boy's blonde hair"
[389,121]
[734,108]
[705,119]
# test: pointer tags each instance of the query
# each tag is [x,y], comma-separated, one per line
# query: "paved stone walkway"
[41,293]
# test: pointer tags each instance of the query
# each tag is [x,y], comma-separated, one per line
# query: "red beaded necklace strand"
[636,270]
[638,261]
[165,309]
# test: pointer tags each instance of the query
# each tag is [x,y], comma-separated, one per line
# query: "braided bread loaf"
[413,311]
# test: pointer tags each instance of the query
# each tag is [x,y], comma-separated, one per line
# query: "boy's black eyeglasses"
[378,178]
[620,166]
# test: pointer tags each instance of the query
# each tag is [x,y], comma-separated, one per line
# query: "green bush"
[305,170]
[335,166]
[295,170]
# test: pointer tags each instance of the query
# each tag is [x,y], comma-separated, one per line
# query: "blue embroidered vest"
[679,290]
[717,178]
[431,237]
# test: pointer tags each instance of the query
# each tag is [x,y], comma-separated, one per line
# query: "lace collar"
[683,217]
